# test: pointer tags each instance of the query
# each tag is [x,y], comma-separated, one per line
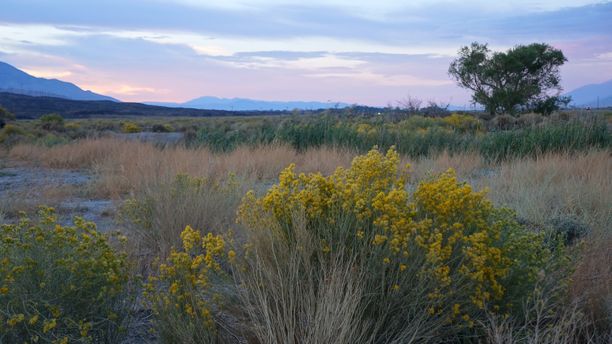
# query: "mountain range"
[243,104]
[30,107]
[13,80]
[593,95]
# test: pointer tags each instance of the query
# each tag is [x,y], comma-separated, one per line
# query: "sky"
[353,51]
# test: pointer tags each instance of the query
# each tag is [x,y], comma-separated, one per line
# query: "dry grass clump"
[293,300]
[467,165]
[557,185]
[80,154]
[565,325]
[592,281]
[156,215]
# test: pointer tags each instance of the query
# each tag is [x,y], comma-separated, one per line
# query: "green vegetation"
[61,284]
[508,82]
[415,137]
[5,115]
[52,121]
[371,251]
[355,258]
[130,128]
[500,138]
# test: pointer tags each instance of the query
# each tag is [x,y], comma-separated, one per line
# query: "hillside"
[14,80]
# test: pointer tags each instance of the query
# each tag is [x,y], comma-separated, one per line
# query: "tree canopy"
[525,77]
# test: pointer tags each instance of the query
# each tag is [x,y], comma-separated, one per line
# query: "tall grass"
[156,215]
[122,166]
[538,140]
[413,137]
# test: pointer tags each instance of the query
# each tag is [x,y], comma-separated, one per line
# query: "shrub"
[72,126]
[503,122]
[52,121]
[10,133]
[529,120]
[162,128]
[60,284]
[6,115]
[444,254]
[50,139]
[463,123]
[181,296]
[130,127]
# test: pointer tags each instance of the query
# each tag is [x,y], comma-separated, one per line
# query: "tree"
[525,77]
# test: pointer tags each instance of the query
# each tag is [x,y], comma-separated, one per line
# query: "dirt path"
[25,188]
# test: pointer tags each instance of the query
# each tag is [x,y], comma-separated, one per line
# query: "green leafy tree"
[524,78]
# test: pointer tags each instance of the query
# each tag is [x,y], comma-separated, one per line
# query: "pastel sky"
[354,51]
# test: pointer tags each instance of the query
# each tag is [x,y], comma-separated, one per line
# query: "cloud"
[122,89]
[305,64]
[22,38]
[384,80]
[341,49]
[605,56]
[47,73]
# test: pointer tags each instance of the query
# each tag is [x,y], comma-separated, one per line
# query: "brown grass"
[550,186]
[124,166]
[592,281]
[557,185]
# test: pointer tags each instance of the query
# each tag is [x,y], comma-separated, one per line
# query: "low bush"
[130,128]
[446,246]
[354,257]
[52,121]
[11,134]
[60,284]
[162,128]
[181,295]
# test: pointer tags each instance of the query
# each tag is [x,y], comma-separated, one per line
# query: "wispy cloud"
[47,73]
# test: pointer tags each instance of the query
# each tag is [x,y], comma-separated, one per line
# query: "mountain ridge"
[31,107]
[587,95]
[14,80]
[247,104]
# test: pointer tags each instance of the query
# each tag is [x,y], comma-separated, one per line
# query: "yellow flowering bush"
[181,294]
[60,284]
[463,123]
[130,127]
[444,243]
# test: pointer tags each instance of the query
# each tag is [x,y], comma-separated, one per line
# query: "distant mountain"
[14,80]
[25,107]
[587,95]
[242,104]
